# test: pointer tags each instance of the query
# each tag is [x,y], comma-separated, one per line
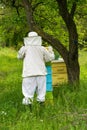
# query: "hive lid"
[59,60]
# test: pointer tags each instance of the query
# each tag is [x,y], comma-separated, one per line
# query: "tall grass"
[68,112]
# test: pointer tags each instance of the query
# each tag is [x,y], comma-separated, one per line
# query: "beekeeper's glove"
[50,49]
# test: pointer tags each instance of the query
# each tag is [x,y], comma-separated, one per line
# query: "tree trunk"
[73,68]
[29,13]
[72,63]
[71,59]
[73,72]
[70,56]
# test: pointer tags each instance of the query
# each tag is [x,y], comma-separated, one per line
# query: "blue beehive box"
[49,79]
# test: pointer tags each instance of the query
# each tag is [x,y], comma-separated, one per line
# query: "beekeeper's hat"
[32,34]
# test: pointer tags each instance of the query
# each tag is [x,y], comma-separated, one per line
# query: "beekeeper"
[34,56]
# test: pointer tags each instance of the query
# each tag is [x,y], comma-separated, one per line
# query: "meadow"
[68,110]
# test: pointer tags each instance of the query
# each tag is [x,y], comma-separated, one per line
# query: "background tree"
[54,21]
[70,56]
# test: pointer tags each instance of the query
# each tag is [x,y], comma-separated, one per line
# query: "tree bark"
[29,13]
[71,61]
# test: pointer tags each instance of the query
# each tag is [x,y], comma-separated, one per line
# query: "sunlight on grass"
[83,64]
[82,57]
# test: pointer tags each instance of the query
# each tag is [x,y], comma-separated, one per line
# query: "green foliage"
[69,110]
[80,19]
[46,15]
[13,27]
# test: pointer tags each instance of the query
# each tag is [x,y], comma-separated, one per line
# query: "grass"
[68,112]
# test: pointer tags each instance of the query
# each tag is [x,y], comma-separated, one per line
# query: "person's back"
[34,62]
[35,56]
[34,71]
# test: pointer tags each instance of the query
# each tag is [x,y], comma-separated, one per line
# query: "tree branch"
[73,9]
[52,41]
[29,13]
[62,4]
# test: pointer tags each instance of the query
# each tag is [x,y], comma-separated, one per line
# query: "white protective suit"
[34,56]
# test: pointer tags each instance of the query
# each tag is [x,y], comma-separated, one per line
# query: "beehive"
[59,72]
[49,88]
[49,79]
